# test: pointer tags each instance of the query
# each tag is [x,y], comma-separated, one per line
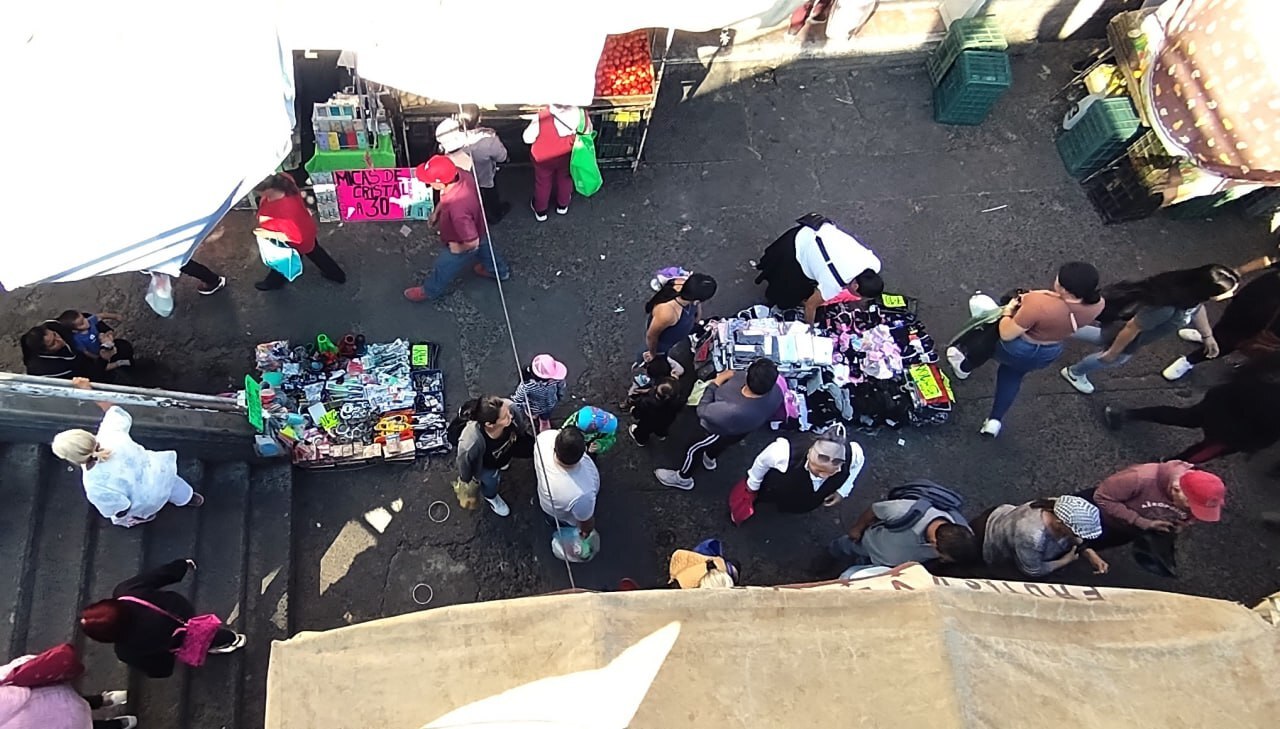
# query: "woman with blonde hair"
[125,482]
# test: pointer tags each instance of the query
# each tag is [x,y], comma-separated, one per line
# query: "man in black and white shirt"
[813,263]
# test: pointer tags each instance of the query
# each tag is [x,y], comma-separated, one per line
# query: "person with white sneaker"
[144,621]
[487,445]
[1031,330]
[733,406]
[568,481]
[550,136]
[1141,312]
[1251,321]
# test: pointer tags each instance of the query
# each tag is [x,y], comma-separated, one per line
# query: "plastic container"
[1119,194]
[978,34]
[1102,134]
[973,85]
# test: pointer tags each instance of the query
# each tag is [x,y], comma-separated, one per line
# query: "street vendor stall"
[867,364]
[348,402]
[1203,126]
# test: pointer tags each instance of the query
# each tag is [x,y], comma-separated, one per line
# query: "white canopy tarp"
[901,650]
[133,127]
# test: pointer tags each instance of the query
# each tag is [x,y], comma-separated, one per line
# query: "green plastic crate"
[966,34]
[974,84]
[1099,137]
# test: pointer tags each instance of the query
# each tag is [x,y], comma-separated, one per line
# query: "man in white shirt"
[568,481]
[810,472]
[815,262]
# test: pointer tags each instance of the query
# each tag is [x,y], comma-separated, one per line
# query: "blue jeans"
[489,480]
[450,265]
[844,548]
[1093,363]
[1016,359]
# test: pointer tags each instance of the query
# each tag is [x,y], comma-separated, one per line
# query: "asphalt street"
[733,156]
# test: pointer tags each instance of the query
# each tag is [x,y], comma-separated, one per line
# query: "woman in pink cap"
[542,388]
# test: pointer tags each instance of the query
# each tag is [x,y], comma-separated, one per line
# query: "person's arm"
[660,320]
[1200,320]
[864,520]
[83,383]
[492,147]
[531,132]
[1032,563]
[1099,564]
[160,577]
[1111,496]
[110,315]
[587,526]
[1258,264]
[468,458]
[775,456]
[856,460]
[812,304]
[1010,329]
[1123,339]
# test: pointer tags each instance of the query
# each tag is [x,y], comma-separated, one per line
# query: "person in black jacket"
[144,636]
[47,351]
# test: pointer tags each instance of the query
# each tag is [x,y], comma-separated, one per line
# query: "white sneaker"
[672,478]
[236,645]
[631,431]
[222,281]
[990,428]
[114,698]
[956,358]
[122,722]
[562,210]
[1080,382]
[1177,370]
[499,506]
[1190,335]
[708,462]
[540,217]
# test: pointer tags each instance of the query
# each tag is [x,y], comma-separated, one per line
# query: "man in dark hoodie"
[1154,497]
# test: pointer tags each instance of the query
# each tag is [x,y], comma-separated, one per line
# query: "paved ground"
[727,171]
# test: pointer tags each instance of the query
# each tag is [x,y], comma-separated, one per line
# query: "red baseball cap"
[438,170]
[1205,493]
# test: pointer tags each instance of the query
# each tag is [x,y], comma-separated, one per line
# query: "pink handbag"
[197,633]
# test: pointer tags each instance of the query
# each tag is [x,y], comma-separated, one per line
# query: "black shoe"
[267,284]
[1113,418]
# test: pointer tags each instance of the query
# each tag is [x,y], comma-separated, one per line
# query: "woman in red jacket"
[551,135]
[281,209]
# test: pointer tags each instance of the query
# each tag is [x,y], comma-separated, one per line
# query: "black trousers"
[200,272]
[492,202]
[1195,416]
[708,444]
[329,268]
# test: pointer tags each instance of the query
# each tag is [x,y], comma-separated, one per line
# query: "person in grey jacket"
[478,150]
[497,432]
[1040,537]
[733,406]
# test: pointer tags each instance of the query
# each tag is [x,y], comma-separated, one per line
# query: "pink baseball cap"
[546,367]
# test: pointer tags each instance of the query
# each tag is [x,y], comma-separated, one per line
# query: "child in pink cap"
[542,389]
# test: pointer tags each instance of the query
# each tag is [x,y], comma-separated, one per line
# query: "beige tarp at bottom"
[902,650]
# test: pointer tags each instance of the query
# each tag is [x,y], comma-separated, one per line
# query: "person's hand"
[81,383]
[1211,349]
[724,377]
[833,499]
[855,533]
[592,447]
[1100,565]
[192,564]
[647,356]
[1163,526]
[112,366]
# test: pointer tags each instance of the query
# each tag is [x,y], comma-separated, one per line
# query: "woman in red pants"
[551,135]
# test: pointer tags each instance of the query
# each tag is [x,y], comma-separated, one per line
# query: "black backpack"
[926,495]
[460,421]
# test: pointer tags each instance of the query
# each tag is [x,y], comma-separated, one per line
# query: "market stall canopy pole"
[151,120]
[463,51]
[1215,85]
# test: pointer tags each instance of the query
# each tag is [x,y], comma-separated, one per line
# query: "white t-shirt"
[567,494]
[849,257]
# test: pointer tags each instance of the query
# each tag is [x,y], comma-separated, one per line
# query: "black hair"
[488,409]
[658,368]
[32,342]
[957,544]
[762,376]
[1080,279]
[665,389]
[1182,289]
[529,375]
[870,285]
[469,116]
[696,287]
[68,317]
[281,181]
[1043,504]
[570,445]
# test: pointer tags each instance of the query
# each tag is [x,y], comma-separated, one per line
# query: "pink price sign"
[387,194]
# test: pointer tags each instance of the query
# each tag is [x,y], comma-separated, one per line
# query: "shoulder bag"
[197,633]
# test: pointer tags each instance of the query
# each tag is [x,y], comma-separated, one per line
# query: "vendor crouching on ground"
[918,522]
[814,263]
[810,472]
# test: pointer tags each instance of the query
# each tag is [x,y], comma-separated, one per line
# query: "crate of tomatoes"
[625,73]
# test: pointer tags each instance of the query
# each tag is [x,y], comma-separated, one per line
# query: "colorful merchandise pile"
[864,364]
[347,403]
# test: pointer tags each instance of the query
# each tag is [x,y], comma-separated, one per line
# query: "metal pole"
[115,394]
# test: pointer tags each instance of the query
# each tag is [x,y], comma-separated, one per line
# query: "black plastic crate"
[1119,193]
[618,134]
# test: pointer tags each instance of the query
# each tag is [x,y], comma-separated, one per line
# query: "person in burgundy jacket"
[1154,497]
[282,210]
[551,135]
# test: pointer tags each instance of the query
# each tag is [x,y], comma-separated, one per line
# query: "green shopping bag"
[582,161]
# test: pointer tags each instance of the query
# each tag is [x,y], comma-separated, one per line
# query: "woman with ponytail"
[673,313]
[125,482]
[1032,330]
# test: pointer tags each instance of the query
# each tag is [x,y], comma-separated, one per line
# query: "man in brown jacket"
[1154,497]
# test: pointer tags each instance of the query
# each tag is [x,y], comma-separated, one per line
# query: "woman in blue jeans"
[1031,333]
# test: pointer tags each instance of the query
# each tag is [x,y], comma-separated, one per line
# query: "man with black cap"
[460,220]
[813,263]
[477,150]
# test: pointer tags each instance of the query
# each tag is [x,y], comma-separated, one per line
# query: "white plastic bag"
[569,545]
[160,294]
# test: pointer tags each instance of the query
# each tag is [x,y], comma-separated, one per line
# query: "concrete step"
[21,466]
[59,558]
[268,581]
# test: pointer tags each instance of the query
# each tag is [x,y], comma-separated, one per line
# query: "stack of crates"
[1120,193]
[973,85]
[966,34]
[1101,135]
